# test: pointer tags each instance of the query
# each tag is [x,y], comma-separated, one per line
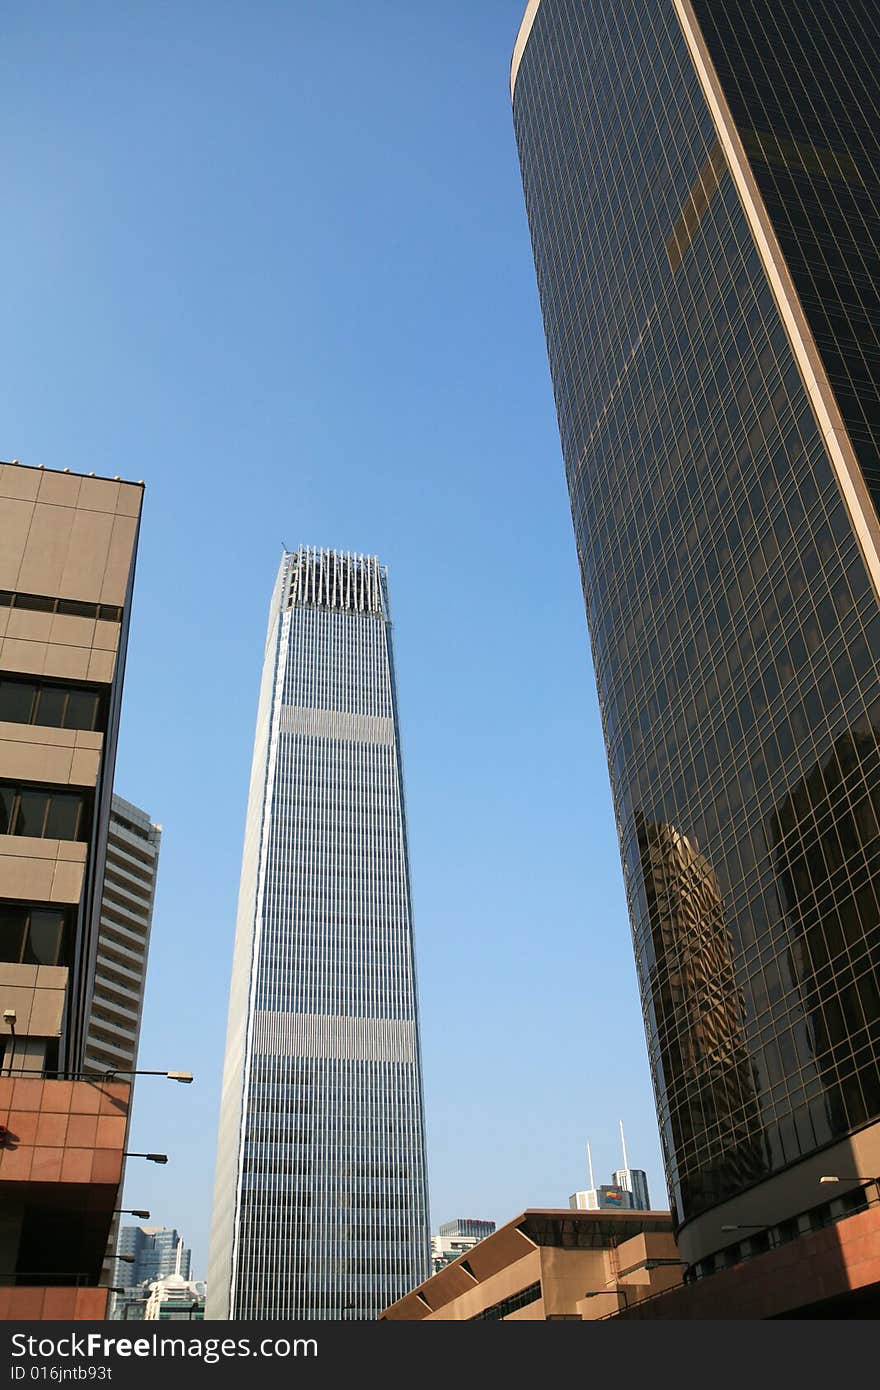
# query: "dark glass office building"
[702,182]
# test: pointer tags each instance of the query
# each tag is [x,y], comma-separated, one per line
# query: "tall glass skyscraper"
[321,1203]
[702,182]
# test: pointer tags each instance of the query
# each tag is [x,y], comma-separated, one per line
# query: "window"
[33,935]
[70,607]
[17,701]
[43,812]
[56,706]
[498,1311]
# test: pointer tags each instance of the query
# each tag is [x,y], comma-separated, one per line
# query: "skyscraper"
[155,1251]
[151,1253]
[702,183]
[321,1206]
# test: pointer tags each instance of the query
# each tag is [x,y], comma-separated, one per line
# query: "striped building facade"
[123,939]
[321,1206]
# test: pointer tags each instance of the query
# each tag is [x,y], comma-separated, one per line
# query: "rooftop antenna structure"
[623,1144]
[590,1165]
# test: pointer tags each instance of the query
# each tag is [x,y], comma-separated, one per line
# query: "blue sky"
[272,258]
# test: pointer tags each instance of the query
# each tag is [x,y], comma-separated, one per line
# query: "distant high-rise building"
[67,561]
[159,1260]
[155,1250]
[605,1197]
[123,939]
[321,1204]
[702,183]
[627,1191]
[123,943]
[632,1180]
[455,1237]
[635,1182]
[175,1299]
[467,1227]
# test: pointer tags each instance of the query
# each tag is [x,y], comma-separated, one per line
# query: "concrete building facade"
[67,554]
[546,1266]
[454,1237]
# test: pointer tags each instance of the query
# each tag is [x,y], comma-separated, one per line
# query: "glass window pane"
[43,944]
[50,706]
[12,923]
[36,603]
[31,813]
[7,807]
[75,608]
[16,701]
[82,708]
[63,820]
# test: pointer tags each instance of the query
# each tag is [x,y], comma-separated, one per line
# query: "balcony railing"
[45,1279]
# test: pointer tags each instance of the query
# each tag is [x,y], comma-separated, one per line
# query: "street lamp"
[859,1178]
[618,1291]
[126,1259]
[131,1211]
[151,1158]
[849,1177]
[183,1076]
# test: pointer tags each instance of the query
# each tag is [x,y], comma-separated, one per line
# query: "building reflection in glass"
[699,1041]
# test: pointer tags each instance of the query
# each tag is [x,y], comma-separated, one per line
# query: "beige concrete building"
[546,1266]
[67,552]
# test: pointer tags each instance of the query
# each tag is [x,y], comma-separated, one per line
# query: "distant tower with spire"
[632,1180]
[627,1191]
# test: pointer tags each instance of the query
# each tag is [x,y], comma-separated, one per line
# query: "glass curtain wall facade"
[321,1205]
[702,195]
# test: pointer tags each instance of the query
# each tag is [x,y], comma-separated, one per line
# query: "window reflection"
[701,1048]
[827,851]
